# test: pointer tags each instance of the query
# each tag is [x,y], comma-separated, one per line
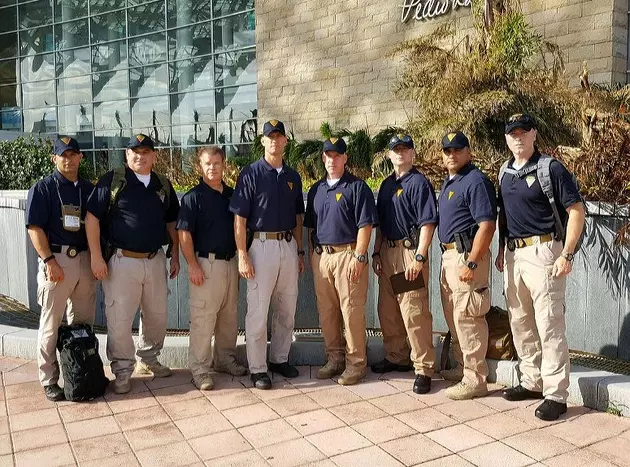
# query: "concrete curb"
[595,389]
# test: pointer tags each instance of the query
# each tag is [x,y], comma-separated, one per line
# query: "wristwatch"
[420,258]
[361,258]
[568,256]
[471,265]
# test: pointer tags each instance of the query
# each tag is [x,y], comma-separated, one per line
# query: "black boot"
[54,392]
[550,410]
[261,380]
[422,384]
[385,366]
[519,393]
[286,370]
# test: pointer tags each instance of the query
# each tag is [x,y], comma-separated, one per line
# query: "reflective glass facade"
[182,71]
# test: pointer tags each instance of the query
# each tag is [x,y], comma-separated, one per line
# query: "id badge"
[71,218]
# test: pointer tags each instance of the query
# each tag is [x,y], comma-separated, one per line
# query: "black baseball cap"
[140,140]
[523,121]
[455,140]
[405,140]
[64,143]
[335,144]
[273,125]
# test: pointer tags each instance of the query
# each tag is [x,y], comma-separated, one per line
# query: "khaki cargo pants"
[213,313]
[133,283]
[75,295]
[535,300]
[406,320]
[275,283]
[341,304]
[465,306]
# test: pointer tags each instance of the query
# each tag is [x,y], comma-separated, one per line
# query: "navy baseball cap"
[273,125]
[405,140]
[335,144]
[140,140]
[64,143]
[523,121]
[455,140]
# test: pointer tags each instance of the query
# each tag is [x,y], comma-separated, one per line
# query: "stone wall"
[330,60]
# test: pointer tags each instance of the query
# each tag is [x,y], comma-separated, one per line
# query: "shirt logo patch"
[140,138]
[399,192]
[451,194]
[530,179]
[450,137]
[338,196]
[290,185]
[66,140]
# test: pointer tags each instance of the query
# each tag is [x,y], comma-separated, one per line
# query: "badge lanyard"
[70,214]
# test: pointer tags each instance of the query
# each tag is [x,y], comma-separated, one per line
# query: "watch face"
[361,258]
[471,265]
[420,258]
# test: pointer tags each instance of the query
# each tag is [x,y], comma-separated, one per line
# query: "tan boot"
[463,391]
[350,377]
[231,367]
[330,369]
[156,369]
[454,374]
[122,385]
[203,382]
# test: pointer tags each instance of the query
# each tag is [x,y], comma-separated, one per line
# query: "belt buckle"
[262,236]
[72,251]
[407,243]
[288,236]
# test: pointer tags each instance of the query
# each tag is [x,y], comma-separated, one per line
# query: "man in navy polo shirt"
[407,216]
[55,214]
[135,224]
[340,214]
[467,218]
[206,236]
[268,205]
[536,266]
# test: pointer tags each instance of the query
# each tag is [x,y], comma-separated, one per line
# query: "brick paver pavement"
[303,421]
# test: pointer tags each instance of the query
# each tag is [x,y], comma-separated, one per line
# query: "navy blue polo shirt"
[465,200]
[270,201]
[338,212]
[527,208]
[137,221]
[204,213]
[43,208]
[404,203]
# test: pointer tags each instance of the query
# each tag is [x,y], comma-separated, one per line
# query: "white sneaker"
[203,382]
[122,385]
[156,369]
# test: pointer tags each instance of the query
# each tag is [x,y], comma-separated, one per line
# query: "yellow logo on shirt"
[290,185]
[399,192]
[338,196]
[450,137]
[451,194]
[530,179]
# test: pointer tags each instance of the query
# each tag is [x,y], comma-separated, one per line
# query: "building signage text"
[427,9]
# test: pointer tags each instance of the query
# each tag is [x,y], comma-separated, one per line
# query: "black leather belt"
[72,251]
[207,254]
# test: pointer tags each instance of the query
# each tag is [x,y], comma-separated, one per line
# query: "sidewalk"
[303,421]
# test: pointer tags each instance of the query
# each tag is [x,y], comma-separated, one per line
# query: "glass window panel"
[73,34]
[38,94]
[8,71]
[236,103]
[40,120]
[146,18]
[192,107]
[225,7]
[73,62]
[149,80]
[76,120]
[74,90]
[70,9]
[235,68]
[146,50]
[149,112]
[190,75]
[38,67]
[112,115]
[236,133]
[9,45]
[36,41]
[9,96]
[11,119]
[183,12]
[108,57]
[108,27]
[106,159]
[190,41]
[194,134]
[101,6]
[4,3]
[111,85]
[8,19]
[234,31]
[35,13]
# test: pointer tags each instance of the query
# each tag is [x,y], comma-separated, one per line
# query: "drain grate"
[600,362]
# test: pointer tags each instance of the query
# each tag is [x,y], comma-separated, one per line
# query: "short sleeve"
[310,220]
[365,207]
[240,203]
[564,187]
[38,206]
[173,205]
[299,200]
[426,208]
[187,216]
[98,201]
[482,201]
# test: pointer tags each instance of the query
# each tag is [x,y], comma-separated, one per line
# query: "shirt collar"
[461,174]
[207,187]
[411,171]
[61,179]
[531,161]
[268,166]
[343,181]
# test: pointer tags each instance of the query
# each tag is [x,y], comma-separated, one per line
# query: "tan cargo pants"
[75,295]
[133,283]
[213,313]
[275,283]
[341,304]
[406,320]
[535,300]
[465,306]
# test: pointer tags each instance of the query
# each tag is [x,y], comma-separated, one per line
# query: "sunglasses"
[521,118]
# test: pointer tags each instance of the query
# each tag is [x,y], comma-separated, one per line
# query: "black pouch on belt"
[463,242]
[249,237]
